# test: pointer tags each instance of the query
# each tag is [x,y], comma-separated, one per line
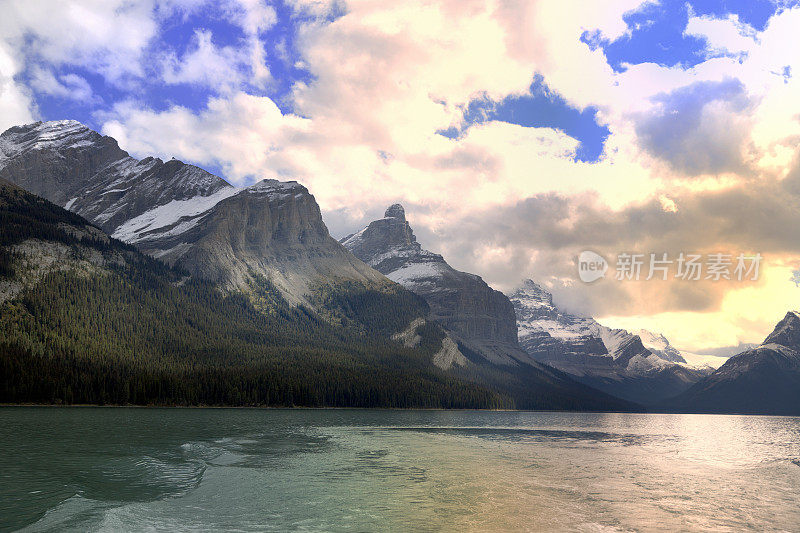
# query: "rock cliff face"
[181,213]
[477,315]
[271,228]
[612,360]
[764,380]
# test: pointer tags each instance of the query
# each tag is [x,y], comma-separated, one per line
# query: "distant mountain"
[660,346]
[183,214]
[763,380]
[643,368]
[477,316]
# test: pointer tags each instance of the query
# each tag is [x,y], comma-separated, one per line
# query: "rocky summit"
[479,317]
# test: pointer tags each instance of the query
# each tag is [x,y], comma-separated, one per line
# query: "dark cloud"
[542,236]
[698,129]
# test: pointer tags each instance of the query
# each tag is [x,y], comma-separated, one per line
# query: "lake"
[118,469]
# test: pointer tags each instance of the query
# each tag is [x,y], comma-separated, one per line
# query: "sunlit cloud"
[475,114]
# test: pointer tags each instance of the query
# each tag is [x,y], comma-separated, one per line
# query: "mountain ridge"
[90,319]
[268,243]
[181,213]
[762,380]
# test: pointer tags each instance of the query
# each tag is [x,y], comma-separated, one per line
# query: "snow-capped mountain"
[764,380]
[642,367]
[659,345]
[181,213]
[480,317]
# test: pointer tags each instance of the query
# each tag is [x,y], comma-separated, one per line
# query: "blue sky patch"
[656,31]
[540,108]
[176,36]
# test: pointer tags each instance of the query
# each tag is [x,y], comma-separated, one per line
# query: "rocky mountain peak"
[787,332]
[534,291]
[389,233]
[276,186]
[659,345]
[57,135]
[395,211]
[463,303]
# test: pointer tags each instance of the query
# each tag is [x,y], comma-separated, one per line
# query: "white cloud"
[254,17]
[205,64]
[243,134]
[724,35]
[106,36]
[16,105]
[69,86]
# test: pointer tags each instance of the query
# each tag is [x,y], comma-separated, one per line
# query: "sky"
[517,134]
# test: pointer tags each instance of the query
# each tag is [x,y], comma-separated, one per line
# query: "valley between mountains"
[126,281]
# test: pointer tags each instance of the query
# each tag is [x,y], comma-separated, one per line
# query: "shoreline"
[301,408]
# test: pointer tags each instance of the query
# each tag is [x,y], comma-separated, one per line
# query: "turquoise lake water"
[129,469]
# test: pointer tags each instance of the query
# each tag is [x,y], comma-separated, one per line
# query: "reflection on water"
[117,469]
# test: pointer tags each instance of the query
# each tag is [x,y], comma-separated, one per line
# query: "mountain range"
[263,249]
[642,367]
[145,281]
[182,214]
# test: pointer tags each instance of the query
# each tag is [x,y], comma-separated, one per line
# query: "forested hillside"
[110,325]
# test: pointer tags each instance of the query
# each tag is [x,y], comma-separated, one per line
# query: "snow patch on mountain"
[135,229]
[414,274]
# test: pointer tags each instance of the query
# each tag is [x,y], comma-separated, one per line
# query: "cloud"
[540,237]
[67,86]
[724,36]
[254,17]
[219,68]
[107,37]
[16,104]
[243,134]
[702,128]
